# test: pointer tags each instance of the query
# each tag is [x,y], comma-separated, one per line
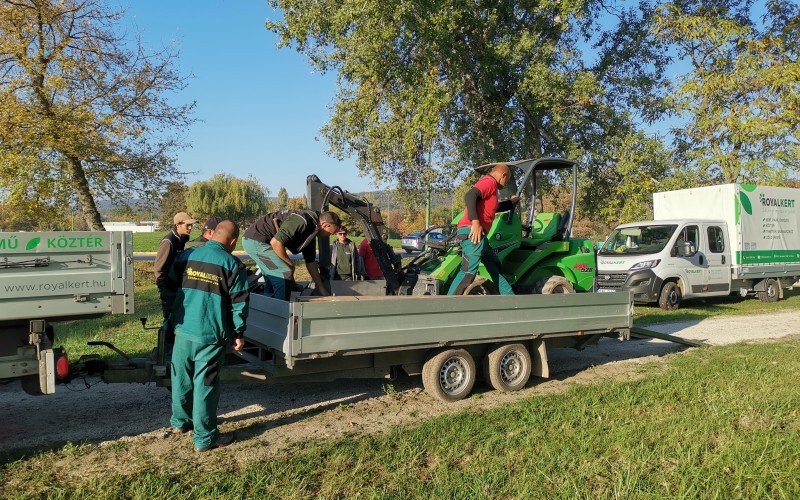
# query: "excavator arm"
[320,197]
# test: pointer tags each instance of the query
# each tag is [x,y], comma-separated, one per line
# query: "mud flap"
[539,355]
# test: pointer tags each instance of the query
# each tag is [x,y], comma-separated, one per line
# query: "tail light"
[62,364]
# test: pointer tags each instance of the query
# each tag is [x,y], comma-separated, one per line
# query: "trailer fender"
[538,352]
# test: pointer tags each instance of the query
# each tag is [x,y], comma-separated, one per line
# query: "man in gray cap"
[170,247]
[206,235]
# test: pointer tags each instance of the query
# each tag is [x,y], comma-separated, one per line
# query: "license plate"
[604,290]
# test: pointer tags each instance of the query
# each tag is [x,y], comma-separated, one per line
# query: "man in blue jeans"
[267,240]
[208,294]
[481,205]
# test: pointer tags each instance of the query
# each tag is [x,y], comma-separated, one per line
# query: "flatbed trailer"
[443,338]
[56,276]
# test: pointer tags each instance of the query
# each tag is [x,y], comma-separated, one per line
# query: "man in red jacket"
[481,205]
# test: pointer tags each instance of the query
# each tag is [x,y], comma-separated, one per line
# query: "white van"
[705,242]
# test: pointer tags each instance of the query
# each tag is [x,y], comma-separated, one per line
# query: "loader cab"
[527,178]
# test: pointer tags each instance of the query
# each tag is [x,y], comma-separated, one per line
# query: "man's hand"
[515,199]
[475,232]
[238,344]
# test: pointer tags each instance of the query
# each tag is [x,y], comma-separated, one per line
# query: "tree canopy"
[240,200]
[84,108]
[428,90]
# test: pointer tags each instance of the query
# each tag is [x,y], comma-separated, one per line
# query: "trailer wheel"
[30,384]
[670,298]
[554,284]
[507,367]
[449,375]
[772,291]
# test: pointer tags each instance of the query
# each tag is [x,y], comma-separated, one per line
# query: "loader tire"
[670,297]
[449,375]
[555,284]
[507,367]
[480,286]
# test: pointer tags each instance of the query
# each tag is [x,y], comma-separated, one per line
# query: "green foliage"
[83,109]
[429,90]
[240,200]
[283,198]
[740,99]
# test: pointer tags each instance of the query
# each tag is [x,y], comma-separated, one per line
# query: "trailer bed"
[330,326]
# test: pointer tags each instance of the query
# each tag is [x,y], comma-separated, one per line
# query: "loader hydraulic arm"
[368,217]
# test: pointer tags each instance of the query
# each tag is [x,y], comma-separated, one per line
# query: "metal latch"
[81,297]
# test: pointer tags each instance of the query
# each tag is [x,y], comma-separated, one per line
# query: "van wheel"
[554,284]
[507,367]
[772,291]
[449,375]
[670,298]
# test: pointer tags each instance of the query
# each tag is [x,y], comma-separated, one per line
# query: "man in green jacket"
[207,289]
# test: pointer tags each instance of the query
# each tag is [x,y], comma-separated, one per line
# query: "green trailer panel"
[337,325]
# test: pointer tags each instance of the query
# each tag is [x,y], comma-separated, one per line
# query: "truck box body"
[56,276]
[763,221]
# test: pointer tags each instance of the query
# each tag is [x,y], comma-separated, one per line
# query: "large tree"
[427,89]
[739,102]
[84,109]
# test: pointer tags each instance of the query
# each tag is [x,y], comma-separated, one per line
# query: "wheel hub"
[510,367]
[452,376]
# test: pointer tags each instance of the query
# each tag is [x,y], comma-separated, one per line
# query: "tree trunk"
[85,198]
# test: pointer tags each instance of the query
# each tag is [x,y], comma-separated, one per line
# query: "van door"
[718,269]
[689,260]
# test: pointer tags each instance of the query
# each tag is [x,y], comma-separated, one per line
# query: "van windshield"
[638,240]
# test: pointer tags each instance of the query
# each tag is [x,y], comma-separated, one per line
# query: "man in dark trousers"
[207,289]
[481,206]
[206,235]
[270,236]
[171,246]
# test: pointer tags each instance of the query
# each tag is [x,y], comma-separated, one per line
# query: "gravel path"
[268,418]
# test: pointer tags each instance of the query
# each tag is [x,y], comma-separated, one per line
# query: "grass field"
[718,422]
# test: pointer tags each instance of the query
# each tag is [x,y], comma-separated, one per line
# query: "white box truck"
[704,242]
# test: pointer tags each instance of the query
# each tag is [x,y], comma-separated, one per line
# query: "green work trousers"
[277,274]
[471,257]
[196,388]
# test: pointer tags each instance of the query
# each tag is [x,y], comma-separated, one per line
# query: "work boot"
[222,440]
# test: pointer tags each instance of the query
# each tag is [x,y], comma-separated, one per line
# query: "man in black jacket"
[169,249]
[270,236]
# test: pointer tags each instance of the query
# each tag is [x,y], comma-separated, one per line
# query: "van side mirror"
[686,249]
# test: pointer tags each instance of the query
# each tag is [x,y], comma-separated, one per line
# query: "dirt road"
[268,418]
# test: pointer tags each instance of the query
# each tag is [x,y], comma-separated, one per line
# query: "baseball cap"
[183,218]
[211,223]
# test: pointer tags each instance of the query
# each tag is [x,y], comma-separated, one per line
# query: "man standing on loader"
[481,205]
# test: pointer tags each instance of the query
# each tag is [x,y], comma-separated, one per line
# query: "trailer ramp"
[643,333]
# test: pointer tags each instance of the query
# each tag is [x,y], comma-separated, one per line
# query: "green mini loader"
[541,257]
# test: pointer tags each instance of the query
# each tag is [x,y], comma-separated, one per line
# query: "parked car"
[414,242]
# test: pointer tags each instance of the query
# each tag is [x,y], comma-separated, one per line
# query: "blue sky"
[261,108]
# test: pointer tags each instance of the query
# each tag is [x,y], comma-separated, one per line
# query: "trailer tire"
[449,375]
[670,297]
[507,367]
[772,291]
[555,284]
[30,384]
